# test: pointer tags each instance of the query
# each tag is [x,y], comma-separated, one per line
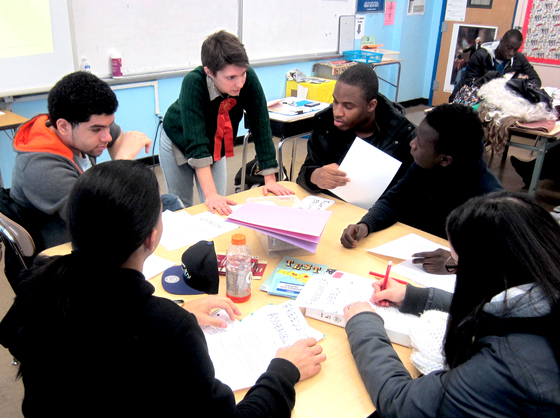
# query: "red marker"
[382,276]
[386,278]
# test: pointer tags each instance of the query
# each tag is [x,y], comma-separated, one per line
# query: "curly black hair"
[78,96]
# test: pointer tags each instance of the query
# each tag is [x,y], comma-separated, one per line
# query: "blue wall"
[415,37]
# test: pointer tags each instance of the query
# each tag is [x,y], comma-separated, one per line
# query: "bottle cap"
[238,239]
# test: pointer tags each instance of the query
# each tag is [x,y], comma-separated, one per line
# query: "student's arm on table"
[213,200]
[129,144]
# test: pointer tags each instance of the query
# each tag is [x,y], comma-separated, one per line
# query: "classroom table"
[337,391]
[543,142]
[9,122]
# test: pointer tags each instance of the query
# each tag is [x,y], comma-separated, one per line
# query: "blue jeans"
[180,178]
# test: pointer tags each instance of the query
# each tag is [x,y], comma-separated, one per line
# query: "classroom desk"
[9,122]
[543,142]
[287,128]
[337,391]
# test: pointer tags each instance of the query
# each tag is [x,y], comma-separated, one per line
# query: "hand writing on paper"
[202,307]
[352,234]
[355,308]
[271,186]
[329,177]
[218,203]
[306,355]
[394,293]
[433,261]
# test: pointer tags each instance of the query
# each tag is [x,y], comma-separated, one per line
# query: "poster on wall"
[371,6]
[416,7]
[465,40]
[541,32]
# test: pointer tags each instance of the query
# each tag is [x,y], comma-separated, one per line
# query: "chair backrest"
[15,236]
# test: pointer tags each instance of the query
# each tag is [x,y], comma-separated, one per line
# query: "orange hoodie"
[35,136]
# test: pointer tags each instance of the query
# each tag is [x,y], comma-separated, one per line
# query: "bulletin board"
[541,32]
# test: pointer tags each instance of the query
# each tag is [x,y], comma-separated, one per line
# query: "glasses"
[450,265]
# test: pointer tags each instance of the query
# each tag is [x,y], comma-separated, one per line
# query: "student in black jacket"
[93,341]
[496,59]
[448,170]
[358,110]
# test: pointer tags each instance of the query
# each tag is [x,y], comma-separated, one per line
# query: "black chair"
[19,249]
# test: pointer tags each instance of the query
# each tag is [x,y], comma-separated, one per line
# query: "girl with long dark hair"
[91,338]
[501,345]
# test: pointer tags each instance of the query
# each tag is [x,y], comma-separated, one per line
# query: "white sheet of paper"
[154,265]
[404,247]
[370,171]
[181,229]
[302,92]
[315,203]
[417,274]
[242,351]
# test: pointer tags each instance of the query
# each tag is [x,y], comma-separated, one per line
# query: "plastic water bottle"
[238,270]
[85,66]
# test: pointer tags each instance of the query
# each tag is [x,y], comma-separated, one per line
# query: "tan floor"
[11,391]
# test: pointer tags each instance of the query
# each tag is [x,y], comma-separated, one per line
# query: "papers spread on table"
[403,248]
[370,171]
[297,226]
[290,276]
[315,203]
[242,351]
[181,229]
[324,298]
[154,265]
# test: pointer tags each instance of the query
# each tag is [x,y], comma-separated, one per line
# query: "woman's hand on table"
[352,234]
[218,203]
[306,355]
[433,261]
[394,293]
[271,186]
[355,308]
[202,307]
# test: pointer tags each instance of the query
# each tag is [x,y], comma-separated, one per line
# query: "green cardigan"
[191,121]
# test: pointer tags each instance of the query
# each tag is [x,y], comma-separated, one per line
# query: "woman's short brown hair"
[222,49]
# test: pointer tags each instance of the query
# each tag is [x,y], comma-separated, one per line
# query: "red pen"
[384,286]
[382,276]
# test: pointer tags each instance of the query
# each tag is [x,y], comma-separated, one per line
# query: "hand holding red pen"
[393,292]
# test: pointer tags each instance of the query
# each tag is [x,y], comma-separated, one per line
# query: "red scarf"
[224,131]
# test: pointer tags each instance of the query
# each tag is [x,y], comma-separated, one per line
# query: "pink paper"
[390,9]
[302,224]
[306,245]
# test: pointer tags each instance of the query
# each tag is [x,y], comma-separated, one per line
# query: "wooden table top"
[338,389]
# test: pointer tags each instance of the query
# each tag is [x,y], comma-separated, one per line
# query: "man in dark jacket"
[498,58]
[358,110]
[448,170]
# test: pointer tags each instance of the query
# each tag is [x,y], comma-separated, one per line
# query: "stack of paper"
[242,351]
[297,226]
[324,298]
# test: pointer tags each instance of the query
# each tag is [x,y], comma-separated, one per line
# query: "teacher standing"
[200,127]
